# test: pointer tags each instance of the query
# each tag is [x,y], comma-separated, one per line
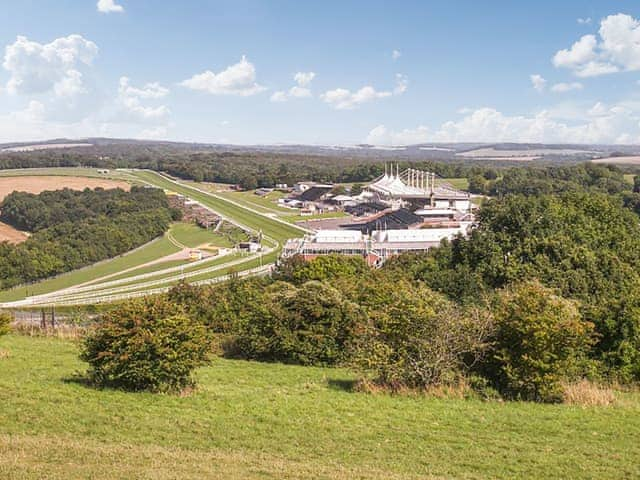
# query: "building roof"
[315,193]
[396,219]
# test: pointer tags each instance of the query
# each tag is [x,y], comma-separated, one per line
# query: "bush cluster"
[148,344]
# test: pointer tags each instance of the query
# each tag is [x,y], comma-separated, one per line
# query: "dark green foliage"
[5,323]
[540,340]
[539,181]
[416,338]
[324,268]
[74,229]
[309,325]
[585,245]
[148,344]
[31,212]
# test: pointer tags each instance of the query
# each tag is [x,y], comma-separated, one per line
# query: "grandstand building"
[375,247]
[416,187]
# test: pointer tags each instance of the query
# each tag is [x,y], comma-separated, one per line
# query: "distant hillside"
[488,152]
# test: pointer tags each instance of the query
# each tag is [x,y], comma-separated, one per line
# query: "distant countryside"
[238,244]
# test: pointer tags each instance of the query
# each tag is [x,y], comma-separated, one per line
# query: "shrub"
[147,344]
[540,341]
[5,323]
[323,268]
[415,338]
[309,325]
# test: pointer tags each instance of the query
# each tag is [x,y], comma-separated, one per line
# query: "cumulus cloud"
[584,21]
[538,82]
[566,87]
[615,49]
[40,68]
[618,123]
[130,99]
[381,135]
[303,79]
[109,6]
[238,79]
[300,90]
[396,54]
[344,99]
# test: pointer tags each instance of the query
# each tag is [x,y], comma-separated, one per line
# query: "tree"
[326,267]
[5,323]
[416,338]
[147,344]
[540,340]
[356,189]
[310,325]
[636,184]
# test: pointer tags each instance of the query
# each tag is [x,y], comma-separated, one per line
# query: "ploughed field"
[10,234]
[258,420]
[37,184]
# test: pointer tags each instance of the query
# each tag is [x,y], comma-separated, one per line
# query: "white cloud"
[616,49]
[538,82]
[303,79]
[396,54]
[343,99]
[566,87]
[130,99]
[301,90]
[584,21]
[40,68]
[109,6]
[71,85]
[238,79]
[381,135]
[618,123]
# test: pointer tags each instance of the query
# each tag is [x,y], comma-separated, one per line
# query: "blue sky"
[321,72]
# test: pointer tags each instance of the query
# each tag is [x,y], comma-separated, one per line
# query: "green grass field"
[249,420]
[460,183]
[193,236]
[265,204]
[273,228]
[67,172]
[156,249]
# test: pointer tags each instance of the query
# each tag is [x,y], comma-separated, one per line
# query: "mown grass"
[193,236]
[459,183]
[252,420]
[156,249]
[256,221]
[67,172]
[266,204]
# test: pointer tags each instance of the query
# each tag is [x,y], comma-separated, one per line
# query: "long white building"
[375,248]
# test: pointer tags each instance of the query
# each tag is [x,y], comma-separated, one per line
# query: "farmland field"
[10,234]
[37,184]
[253,420]
[630,160]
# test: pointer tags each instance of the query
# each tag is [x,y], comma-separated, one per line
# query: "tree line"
[73,229]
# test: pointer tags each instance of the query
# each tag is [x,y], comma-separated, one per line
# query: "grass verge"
[253,420]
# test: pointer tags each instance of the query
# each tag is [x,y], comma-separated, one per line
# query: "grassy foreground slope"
[251,420]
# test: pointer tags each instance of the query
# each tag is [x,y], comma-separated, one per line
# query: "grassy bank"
[251,420]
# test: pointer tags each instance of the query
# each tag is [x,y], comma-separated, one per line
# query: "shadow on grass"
[342,384]
[79,378]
